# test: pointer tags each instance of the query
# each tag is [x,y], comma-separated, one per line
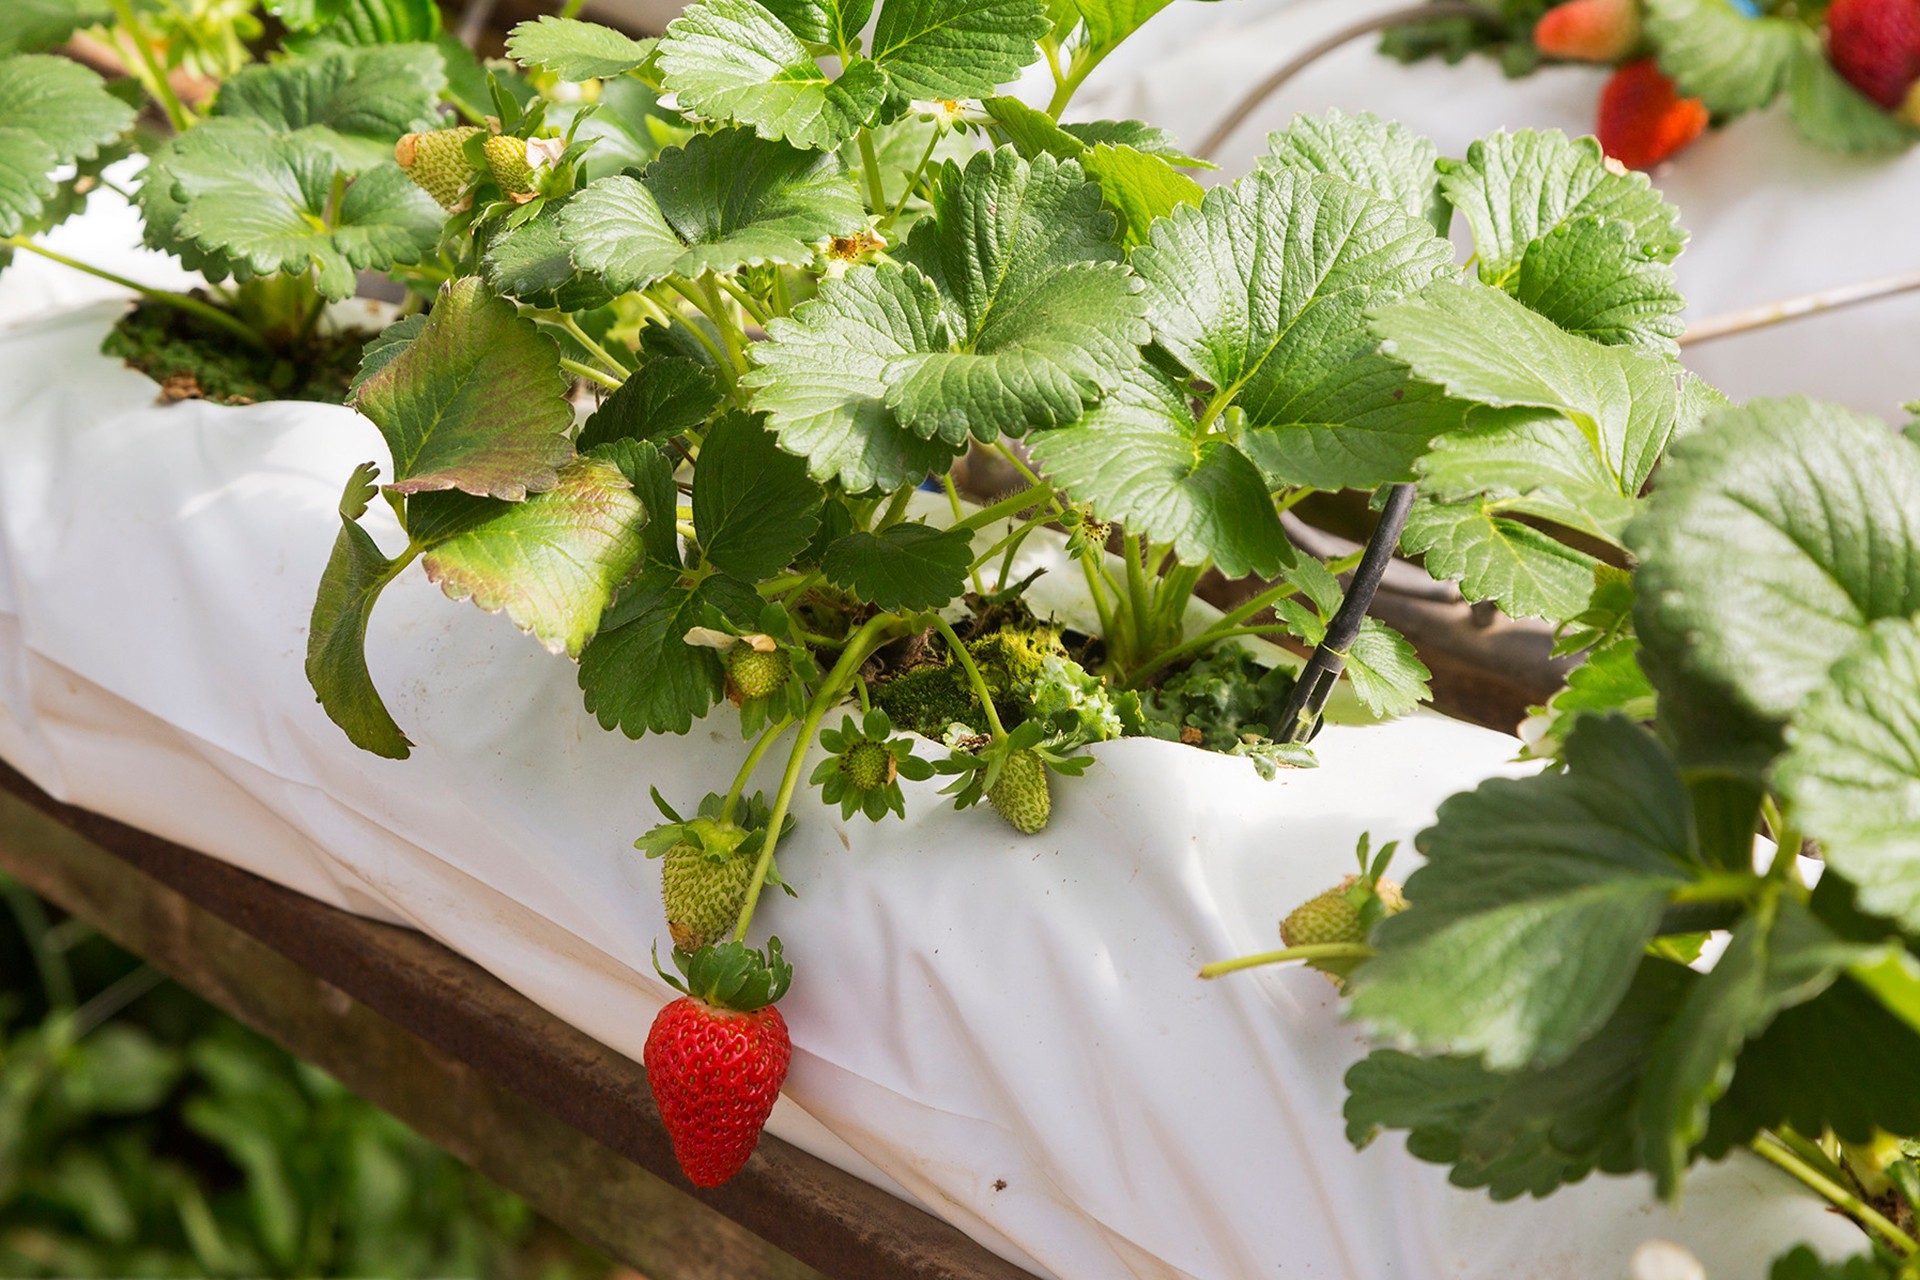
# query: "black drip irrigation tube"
[1300,717]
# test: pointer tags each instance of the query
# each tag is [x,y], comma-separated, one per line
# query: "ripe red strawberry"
[1589,30]
[1875,46]
[716,1057]
[1643,118]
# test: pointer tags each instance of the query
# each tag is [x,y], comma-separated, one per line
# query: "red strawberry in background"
[1643,118]
[1589,30]
[1875,46]
[716,1057]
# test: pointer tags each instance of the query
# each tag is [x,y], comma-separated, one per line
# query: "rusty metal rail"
[536,1105]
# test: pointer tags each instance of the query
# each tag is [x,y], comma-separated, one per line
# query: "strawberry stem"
[754,756]
[859,645]
[974,677]
[1776,1152]
[1307,951]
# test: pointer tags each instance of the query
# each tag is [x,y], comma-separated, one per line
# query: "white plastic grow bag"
[1772,217]
[1007,1030]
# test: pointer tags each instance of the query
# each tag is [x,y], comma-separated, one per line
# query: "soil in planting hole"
[193,359]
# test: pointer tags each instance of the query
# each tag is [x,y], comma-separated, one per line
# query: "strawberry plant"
[278,189]
[1846,70]
[1758,671]
[798,296]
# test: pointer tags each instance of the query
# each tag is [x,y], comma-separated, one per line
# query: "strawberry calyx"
[730,975]
[862,775]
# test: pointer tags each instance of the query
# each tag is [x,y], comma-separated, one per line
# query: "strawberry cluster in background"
[1847,71]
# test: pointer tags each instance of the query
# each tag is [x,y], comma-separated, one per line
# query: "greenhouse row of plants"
[837,571]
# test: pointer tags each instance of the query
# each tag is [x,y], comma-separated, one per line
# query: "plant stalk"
[177,114]
[211,314]
[1309,951]
[1300,719]
[590,373]
[974,678]
[1776,1152]
[859,645]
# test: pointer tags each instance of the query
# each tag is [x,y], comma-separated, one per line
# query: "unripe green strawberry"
[703,893]
[752,673]
[507,158]
[869,765]
[1020,794]
[435,162]
[1332,917]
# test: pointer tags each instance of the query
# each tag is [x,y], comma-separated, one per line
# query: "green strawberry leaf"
[1262,293]
[1042,315]
[1012,313]
[1387,675]
[822,380]
[1526,1132]
[948,49]
[1802,1263]
[1139,458]
[722,202]
[1778,534]
[1528,462]
[1481,345]
[52,112]
[734,61]
[830,22]
[1610,679]
[533,263]
[1138,186]
[552,562]
[576,50]
[650,472]
[1779,956]
[1147,139]
[1385,157]
[336,666]
[1732,62]
[1851,775]
[667,396]
[1535,905]
[475,402]
[370,22]
[639,674]
[265,205]
[33,25]
[754,507]
[1787,1075]
[1109,22]
[1515,188]
[1835,116]
[905,566]
[1494,557]
[358,101]
[1588,277]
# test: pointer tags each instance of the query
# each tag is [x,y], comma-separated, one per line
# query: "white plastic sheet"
[1006,1030]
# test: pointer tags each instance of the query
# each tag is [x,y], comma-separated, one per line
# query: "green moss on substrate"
[194,360]
[928,699]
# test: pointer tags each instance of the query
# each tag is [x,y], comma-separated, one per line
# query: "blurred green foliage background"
[144,1133]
